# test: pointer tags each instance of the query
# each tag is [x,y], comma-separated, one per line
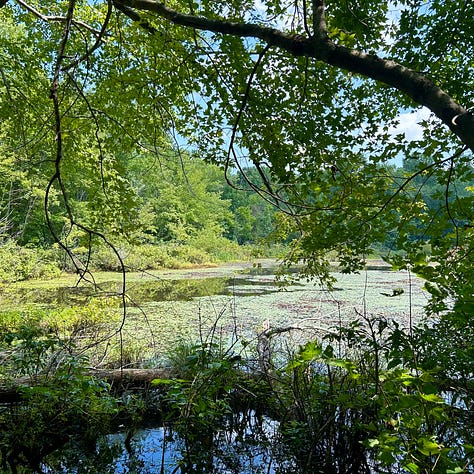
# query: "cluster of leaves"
[62,403]
[321,140]
[111,182]
[366,398]
[383,404]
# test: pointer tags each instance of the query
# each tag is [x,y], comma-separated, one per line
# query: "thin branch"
[61,19]
[57,178]
[55,98]
[58,138]
[241,111]
[351,11]
[96,132]
[412,177]
[305,18]
[446,198]
[99,40]
[268,195]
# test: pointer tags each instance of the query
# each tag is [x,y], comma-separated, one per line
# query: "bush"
[137,258]
[200,403]
[13,321]
[217,248]
[84,320]
[201,250]
[67,406]
[62,404]
[22,263]
[368,411]
[76,330]
[150,257]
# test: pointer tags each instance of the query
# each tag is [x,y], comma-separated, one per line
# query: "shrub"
[149,257]
[200,402]
[217,248]
[22,263]
[366,411]
[68,405]
[138,258]
[27,334]
[61,403]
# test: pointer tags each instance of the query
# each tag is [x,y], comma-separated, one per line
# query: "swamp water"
[233,302]
[222,306]
[243,449]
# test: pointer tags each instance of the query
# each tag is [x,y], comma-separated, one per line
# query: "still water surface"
[237,303]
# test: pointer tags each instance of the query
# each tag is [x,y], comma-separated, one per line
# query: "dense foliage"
[291,90]
[302,103]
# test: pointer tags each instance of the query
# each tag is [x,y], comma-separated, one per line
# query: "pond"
[233,301]
[224,306]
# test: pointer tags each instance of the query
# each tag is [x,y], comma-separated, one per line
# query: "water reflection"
[243,446]
[148,290]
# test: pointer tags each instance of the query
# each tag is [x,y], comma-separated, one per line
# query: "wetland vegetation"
[168,307]
[240,366]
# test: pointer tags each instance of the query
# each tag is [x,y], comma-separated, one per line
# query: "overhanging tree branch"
[414,84]
[134,16]
[56,179]
[48,18]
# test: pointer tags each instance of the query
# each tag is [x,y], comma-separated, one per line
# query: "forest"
[139,136]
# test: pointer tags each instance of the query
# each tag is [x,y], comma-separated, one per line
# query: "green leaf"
[428,446]
[432,397]
[456,470]
[412,467]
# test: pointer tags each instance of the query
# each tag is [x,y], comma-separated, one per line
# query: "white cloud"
[409,124]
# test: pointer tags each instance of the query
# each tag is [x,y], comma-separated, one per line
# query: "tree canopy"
[309,93]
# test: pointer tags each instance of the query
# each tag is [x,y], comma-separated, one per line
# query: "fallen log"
[134,376]
[118,378]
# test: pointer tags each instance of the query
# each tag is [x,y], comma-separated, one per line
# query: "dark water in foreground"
[241,449]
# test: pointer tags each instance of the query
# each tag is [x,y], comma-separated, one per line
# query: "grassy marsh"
[223,303]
